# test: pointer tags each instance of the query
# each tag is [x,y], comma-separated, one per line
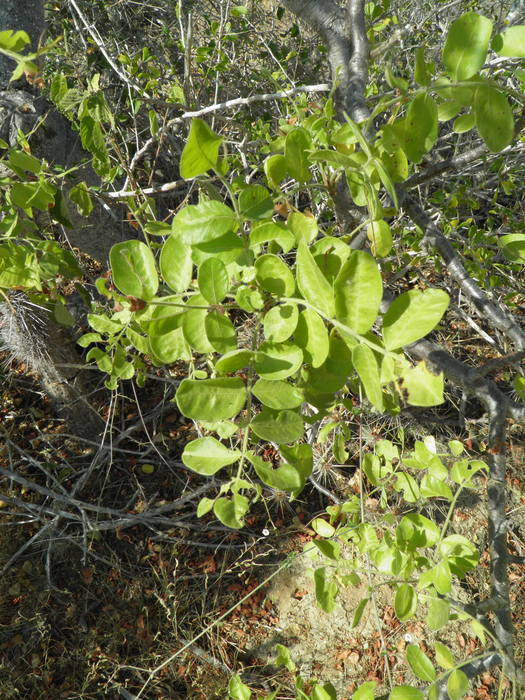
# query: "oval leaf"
[213,280]
[176,266]
[494,119]
[211,399]
[365,363]
[412,316]
[358,292]
[201,150]
[208,455]
[296,146]
[420,663]
[312,284]
[466,46]
[278,426]
[199,223]
[133,268]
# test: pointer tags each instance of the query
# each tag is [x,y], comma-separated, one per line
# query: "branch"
[358,67]
[488,310]
[229,104]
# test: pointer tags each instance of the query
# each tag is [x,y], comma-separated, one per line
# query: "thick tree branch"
[488,309]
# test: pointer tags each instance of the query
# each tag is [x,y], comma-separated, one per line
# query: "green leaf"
[233,361]
[511,42]
[438,613]
[322,527]
[513,247]
[280,322]
[380,237]
[431,487]
[278,426]
[326,589]
[330,254]
[255,202]
[358,292]
[20,161]
[220,332]
[494,119]
[466,45]
[406,484]
[169,347]
[303,227]
[296,146]
[207,455]
[211,399]
[420,663]
[14,41]
[415,531]
[193,326]
[424,388]
[213,280]
[405,692]
[366,366]
[200,223]
[365,691]
[274,275]
[272,231]
[277,394]
[464,123]
[420,127]
[311,336]
[439,576]
[358,614]
[278,360]
[231,511]
[412,316]
[460,553]
[201,150]
[457,685]
[176,265]
[333,374]
[405,602]
[444,656]
[289,476]
[421,73]
[133,268]
[79,195]
[237,689]
[312,284]
[283,658]
[275,170]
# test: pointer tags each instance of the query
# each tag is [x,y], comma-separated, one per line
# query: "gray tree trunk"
[30,336]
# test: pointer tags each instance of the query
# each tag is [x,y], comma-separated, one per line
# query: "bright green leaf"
[133,268]
[201,150]
[420,663]
[494,119]
[405,602]
[296,146]
[466,45]
[278,426]
[199,223]
[365,363]
[358,292]
[207,455]
[511,43]
[176,264]
[412,316]
[211,399]
[213,280]
[312,284]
